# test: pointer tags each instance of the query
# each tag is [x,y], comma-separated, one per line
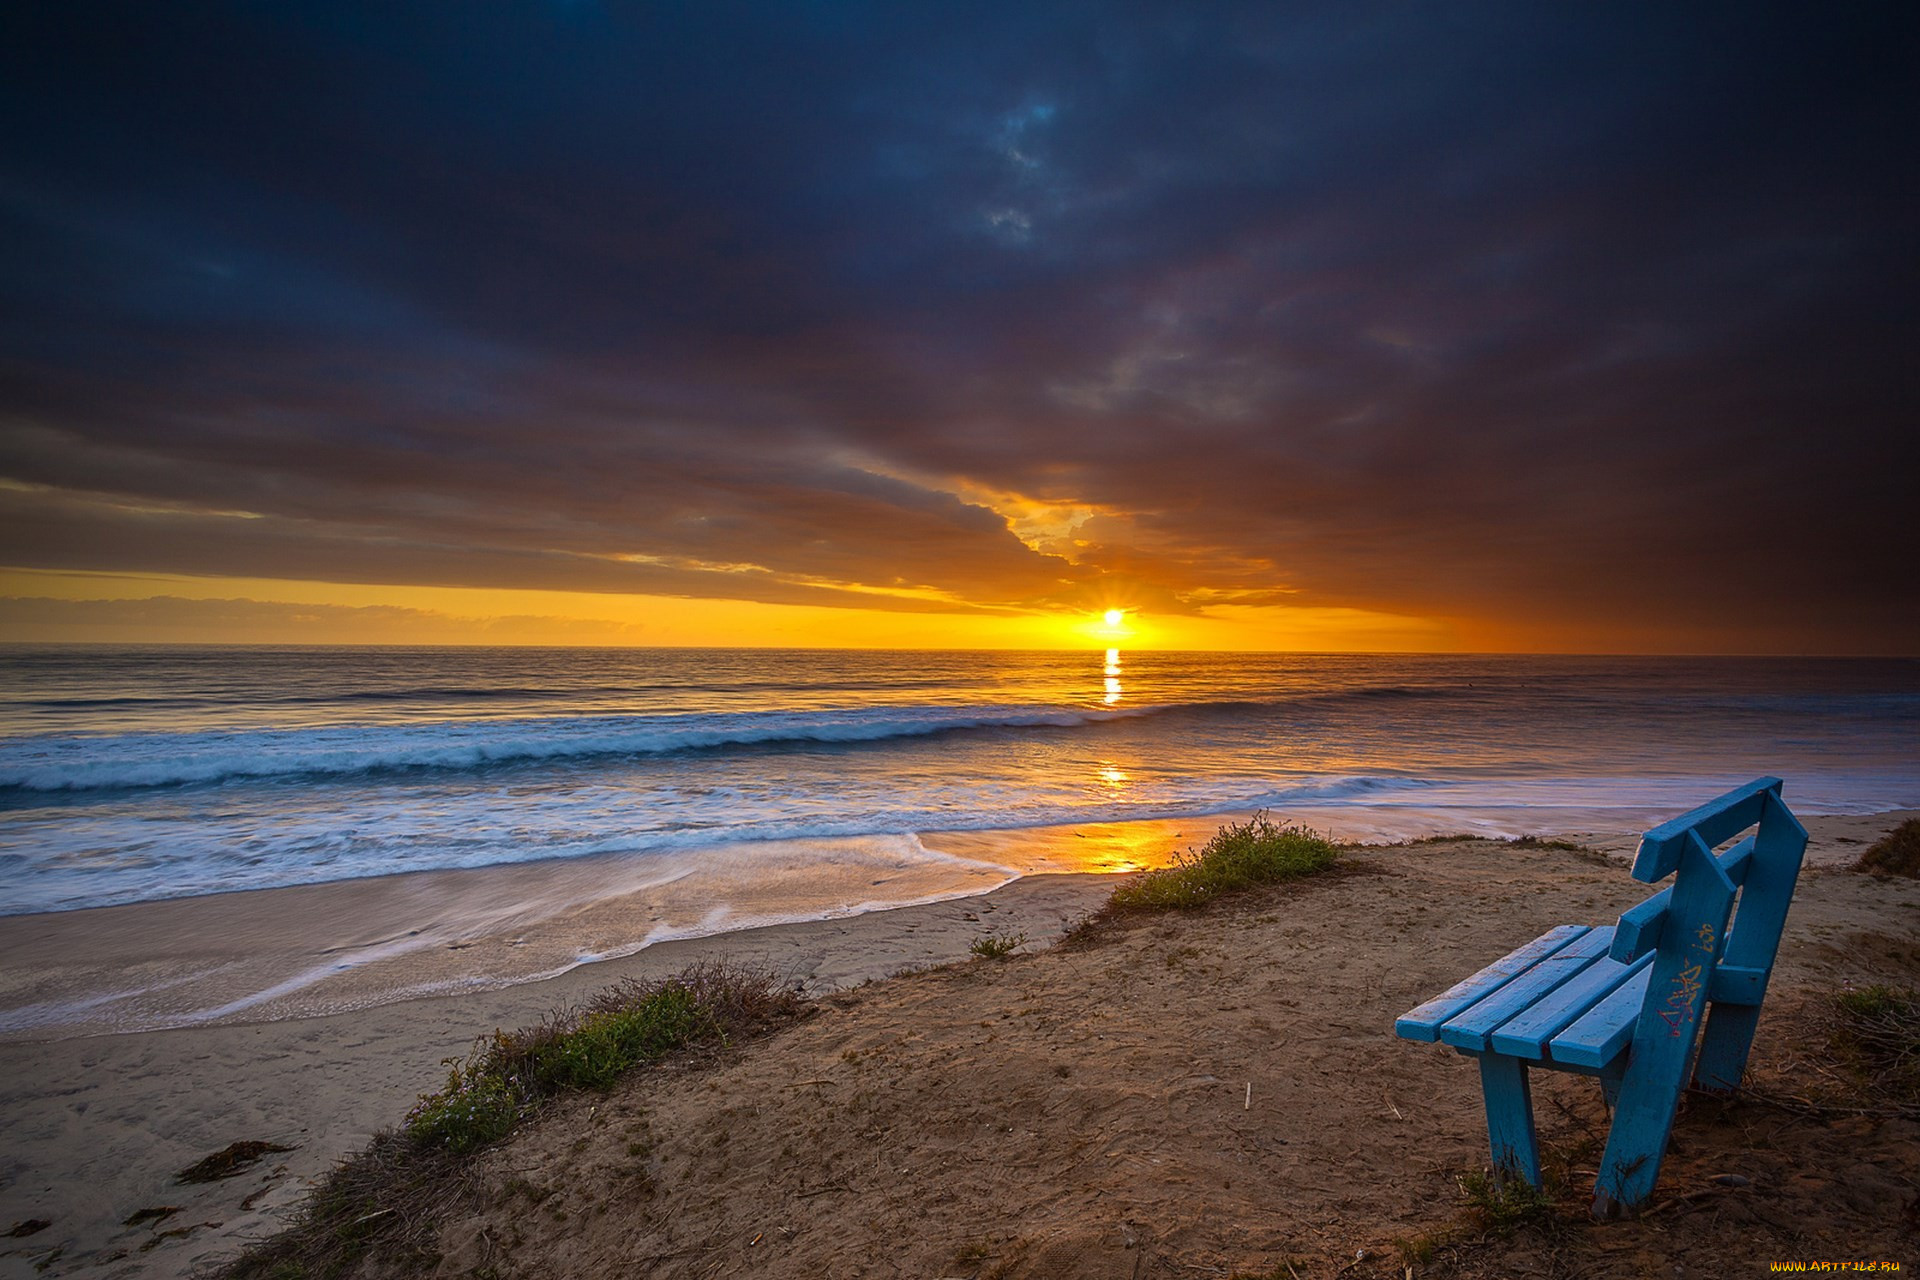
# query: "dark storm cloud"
[1493,312]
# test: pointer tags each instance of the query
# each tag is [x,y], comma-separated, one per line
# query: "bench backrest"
[1695,961]
[1699,960]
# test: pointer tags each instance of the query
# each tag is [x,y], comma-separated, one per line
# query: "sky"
[1344,326]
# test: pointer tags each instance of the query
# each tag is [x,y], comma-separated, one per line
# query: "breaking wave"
[142,760]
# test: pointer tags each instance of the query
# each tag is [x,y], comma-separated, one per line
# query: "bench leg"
[1636,1144]
[1610,1088]
[1724,1046]
[1510,1118]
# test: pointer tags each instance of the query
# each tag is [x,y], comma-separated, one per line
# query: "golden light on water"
[1112,673]
[1129,846]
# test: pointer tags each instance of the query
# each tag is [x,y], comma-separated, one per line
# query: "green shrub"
[998,946]
[605,1044]
[469,1113]
[1238,856]
[511,1073]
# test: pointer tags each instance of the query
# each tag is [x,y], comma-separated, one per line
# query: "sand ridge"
[1207,1094]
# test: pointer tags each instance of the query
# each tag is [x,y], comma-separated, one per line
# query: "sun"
[1114,617]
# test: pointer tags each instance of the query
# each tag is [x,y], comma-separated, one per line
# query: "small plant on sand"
[1897,853]
[607,1042]
[972,1255]
[998,946]
[1500,1207]
[1239,855]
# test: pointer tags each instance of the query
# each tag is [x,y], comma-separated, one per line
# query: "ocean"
[739,787]
[131,774]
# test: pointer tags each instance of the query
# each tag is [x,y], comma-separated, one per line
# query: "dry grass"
[1895,854]
[1878,1034]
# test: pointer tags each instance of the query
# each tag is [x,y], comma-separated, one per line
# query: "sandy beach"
[1216,1091]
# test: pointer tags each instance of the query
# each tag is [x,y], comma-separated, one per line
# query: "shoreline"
[99,1124]
[303,951]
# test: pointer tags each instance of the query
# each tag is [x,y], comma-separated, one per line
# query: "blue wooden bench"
[1625,1002]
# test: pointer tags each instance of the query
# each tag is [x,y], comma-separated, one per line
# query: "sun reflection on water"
[1112,673]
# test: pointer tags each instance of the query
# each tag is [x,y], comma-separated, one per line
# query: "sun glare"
[1114,617]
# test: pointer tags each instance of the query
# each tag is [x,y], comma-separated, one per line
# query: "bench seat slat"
[1424,1023]
[1603,1032]
[1472,1028]
[1526,1036]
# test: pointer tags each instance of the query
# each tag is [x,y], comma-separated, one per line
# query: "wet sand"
[272,954]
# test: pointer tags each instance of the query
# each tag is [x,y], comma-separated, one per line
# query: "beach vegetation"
[1513,842]
[1897,853]
[473,1111]
[972,1255]
[1547,842]
[1878,1032]
[389,1199]
[1238,856]
[1501,1206]
[998,946]
[510,1074]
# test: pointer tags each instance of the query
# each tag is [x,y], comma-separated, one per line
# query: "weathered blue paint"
[1714,823]
[1610,1086]
[1473,1027]
[1424,1023]
[1664,1036]
[1779,846]
[1738,983]
[1628,1004]
[1639,930]
[1516,1154]
[1526,1035]
[1600,1035]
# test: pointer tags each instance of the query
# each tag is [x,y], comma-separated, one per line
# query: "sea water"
[556,807]
[132,774]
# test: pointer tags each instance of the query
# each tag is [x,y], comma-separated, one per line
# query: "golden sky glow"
[39,606]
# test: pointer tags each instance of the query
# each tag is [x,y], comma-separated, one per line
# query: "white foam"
[140,760]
